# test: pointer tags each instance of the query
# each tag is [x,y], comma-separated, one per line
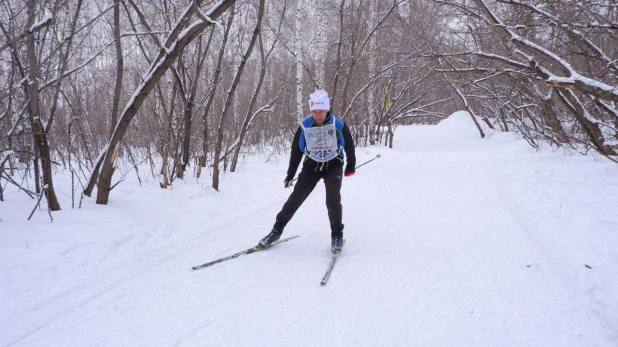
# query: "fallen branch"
[12,181]
[39,202]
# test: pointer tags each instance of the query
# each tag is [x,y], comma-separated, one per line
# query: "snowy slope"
[452,240]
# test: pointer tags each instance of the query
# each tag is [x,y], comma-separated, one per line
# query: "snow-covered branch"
[47,20]
[573,80]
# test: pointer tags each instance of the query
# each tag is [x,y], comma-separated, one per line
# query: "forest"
[98,88]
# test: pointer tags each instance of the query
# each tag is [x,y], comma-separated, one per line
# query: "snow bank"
[461,123]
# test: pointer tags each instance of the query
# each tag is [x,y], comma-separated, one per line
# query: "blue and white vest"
[323,142]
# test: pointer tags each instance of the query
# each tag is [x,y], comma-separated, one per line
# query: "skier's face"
[319,115]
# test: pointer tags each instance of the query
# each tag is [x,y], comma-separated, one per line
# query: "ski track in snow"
[452,240]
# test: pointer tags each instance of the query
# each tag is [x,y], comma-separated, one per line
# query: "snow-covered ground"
[452,240]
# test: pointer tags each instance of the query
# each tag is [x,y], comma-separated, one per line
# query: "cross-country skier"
[322,138]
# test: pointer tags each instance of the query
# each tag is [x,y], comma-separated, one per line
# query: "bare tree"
[548,55]
[213,88]
[230,96]
[76,79]
[250,116]
[180,36]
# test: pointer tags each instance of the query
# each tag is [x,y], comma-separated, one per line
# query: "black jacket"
[297,153]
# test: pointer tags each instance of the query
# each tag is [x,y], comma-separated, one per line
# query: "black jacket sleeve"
[348,147]
[295,157]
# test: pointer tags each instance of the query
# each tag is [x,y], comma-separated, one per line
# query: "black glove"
[349,170]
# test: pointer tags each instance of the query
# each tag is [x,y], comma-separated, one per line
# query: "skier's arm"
[295,157]
[348,147]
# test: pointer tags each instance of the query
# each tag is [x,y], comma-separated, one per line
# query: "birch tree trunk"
[338,61]
[298,51]
[322,44]
[372,112]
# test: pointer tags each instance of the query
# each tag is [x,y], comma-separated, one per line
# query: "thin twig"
[49,209]
[37,203]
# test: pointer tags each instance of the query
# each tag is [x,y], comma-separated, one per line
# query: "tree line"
[96,87]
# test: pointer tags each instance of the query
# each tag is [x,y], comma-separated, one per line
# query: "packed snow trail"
[447,245]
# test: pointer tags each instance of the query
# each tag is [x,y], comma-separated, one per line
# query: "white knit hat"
[318,100]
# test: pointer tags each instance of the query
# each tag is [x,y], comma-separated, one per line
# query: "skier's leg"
[332,181]
[307,180]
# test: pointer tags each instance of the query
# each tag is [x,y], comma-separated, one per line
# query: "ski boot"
[273,236]
[336,241]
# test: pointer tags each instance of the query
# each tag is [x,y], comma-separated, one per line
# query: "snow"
[210,20]
[44,21]
[452,240]
[185,32]
[588,81]
[461,125]
[5,154]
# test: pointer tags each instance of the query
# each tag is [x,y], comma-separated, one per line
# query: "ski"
[333,259]
[247,251]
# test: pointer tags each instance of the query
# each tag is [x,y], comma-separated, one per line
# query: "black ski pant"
[307,180]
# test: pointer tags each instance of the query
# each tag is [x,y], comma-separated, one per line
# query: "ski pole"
[367,162]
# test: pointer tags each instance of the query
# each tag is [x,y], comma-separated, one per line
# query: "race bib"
[321,142]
